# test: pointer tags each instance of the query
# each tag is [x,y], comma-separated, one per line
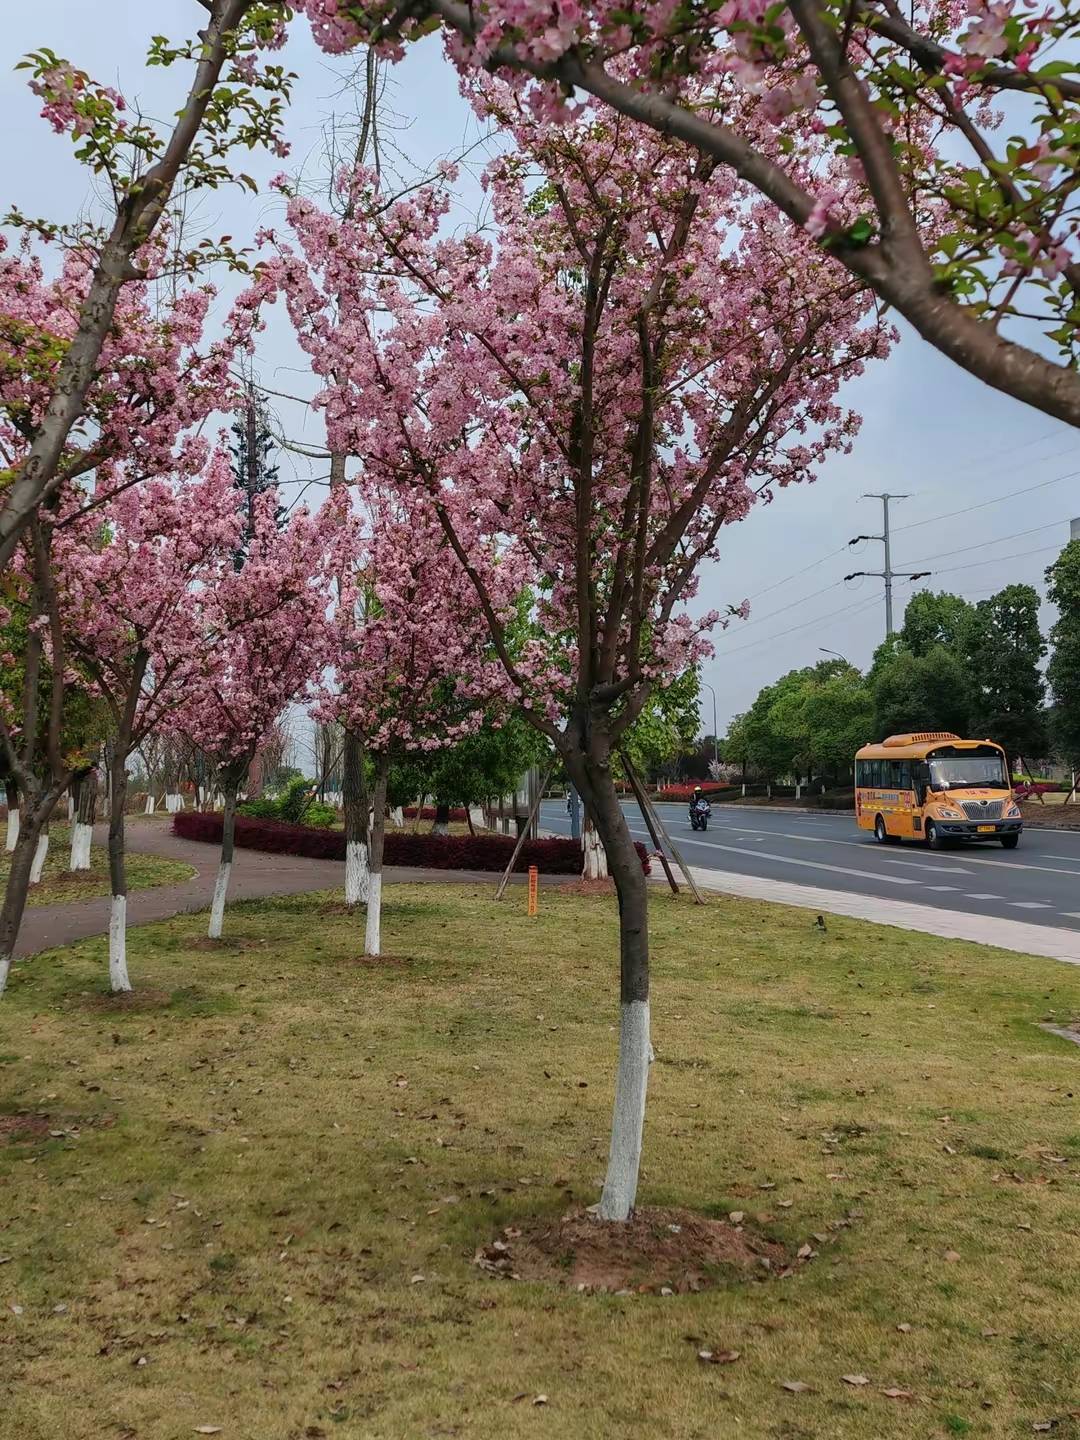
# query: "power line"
[981,544]
[981,460]
[760,619]
[998,559]
[792,630]
[812,566]
[967,509]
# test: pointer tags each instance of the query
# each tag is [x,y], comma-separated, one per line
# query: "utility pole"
[888,574]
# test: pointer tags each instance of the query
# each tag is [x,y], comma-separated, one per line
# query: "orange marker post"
[534,876]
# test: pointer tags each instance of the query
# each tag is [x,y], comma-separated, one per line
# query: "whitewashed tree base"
[217,908]
[82,838]
[118,971]
[373,928]
[12,829]
[37,867]
[397,816]
[441,827]
[356,873]
[5,971]
[71,807]
[628,1122]
[150,804]
[595,866]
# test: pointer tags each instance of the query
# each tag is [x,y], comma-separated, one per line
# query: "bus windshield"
[954,772]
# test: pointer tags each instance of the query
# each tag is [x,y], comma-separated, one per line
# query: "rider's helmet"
[697,790]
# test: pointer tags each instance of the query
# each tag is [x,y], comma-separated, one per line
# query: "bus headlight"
[1013,812]
[947,813]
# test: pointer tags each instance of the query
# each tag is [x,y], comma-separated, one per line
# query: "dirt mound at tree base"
[658,1251]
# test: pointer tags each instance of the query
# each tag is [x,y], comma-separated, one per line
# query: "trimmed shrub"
[685,793]
[428,813]
[558,856]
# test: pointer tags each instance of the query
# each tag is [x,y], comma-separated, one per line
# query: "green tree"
[1004,646]
[483,766]
[932,620]
[931,691]
[667,726]
[1063,671]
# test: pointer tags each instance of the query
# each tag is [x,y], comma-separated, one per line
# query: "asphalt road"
[1039,882]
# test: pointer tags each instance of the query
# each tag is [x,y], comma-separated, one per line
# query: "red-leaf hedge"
[428,813]
[558,856]
[686,792]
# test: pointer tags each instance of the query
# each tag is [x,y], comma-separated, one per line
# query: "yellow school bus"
[936,787]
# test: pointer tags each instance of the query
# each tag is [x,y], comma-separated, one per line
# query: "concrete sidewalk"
[1055,943]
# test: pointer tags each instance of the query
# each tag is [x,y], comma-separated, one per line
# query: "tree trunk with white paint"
[41,853]
[82,829]
[233,778]
[595,866]
[150,805]
[71,807]
[18,883]
[441,823]
[11,791]
[397,816]
[592,777]
[355,808]
[118,971]
[38,809]
[373,930]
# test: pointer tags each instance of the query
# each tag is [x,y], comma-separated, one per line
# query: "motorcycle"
[700,810]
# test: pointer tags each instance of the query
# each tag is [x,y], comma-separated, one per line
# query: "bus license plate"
[987,829]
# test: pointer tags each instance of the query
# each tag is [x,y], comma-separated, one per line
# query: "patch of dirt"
[147,998]
[1050,817]
[658,1251]
[18,1129]
[376,962]
[227,942]
[72,879]
[587,887]
[338,907]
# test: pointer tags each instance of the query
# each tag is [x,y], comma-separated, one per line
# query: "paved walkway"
[1055,942]
[255,875]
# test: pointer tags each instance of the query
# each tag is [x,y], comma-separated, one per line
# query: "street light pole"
[715,741]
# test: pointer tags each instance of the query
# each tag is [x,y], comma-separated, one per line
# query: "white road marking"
[1029,904]
[939,887]
[1072,914]
[809,864]
[922,865]
[984,896]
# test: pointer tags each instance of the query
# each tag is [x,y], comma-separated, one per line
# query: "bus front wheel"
[1010,842]
[934,837]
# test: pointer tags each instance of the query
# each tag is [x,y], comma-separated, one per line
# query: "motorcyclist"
[698,803]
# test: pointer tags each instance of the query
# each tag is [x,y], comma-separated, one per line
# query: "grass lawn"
[59,884]
[251,1199]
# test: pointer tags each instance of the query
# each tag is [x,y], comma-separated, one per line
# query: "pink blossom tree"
[154,385]
[958,120]
[137,583]
[414,668]
[645,351]
[268,633]
[143,168]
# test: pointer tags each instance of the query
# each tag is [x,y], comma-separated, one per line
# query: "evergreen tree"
[1004,646]
[252,451]
[1063,671]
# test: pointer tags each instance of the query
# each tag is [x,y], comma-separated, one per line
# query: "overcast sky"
[929,430]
